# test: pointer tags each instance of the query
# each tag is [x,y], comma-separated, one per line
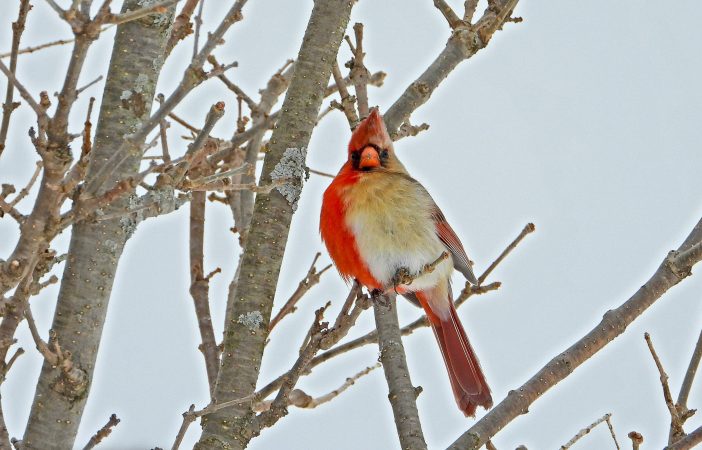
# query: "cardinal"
[383,229]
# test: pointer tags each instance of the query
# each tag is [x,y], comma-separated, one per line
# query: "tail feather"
[467,379]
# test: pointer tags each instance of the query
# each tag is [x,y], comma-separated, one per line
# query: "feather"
[454,246]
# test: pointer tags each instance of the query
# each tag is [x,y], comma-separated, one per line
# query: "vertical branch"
[200,286]
[251,300]
[242,202]
[9,105]
[359,74]
[95,248]
[402,394]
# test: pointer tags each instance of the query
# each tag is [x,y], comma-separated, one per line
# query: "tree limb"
[402,394]
[249,304]
[672,270]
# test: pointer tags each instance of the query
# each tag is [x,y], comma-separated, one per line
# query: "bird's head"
[370,147]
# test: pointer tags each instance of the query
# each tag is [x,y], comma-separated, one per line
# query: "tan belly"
[391,222]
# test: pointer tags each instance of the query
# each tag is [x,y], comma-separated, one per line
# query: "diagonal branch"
[465,41]
[690,374]
[311,278]
[672,270]
[688,442]
[580,434]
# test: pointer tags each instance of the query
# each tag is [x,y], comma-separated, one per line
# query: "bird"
[382,228]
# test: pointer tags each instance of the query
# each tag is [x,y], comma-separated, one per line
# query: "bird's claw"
[402,277]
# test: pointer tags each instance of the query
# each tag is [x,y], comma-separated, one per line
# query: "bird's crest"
[371,130]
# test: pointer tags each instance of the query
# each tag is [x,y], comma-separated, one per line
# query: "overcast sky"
[584,119]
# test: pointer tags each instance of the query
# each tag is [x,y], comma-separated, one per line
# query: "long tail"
[467,379]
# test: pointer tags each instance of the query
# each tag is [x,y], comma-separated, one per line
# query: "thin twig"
[611,432]
[41,47]
[585,431]
[347,104]
[163,126]
[9,106]
[311,278]
[25,190]
[79,90]
[676,430]
[528,228]
[320,173]
[359,75]
[198,25]
[7,366]
[102,433]
[253,106]
[300,399]
[40,112]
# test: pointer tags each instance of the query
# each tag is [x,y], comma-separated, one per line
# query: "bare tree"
[102,193]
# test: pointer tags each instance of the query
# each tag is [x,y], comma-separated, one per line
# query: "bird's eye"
[384,154]
[355,156]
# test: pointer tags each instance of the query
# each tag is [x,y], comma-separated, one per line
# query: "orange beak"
[369,158]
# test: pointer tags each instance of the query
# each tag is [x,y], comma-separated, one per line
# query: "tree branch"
[688,442]
[9,106]
[311,279]
[402,394]
[690,374]
[200,287]
[102,433]
[465,41]
[249,304]
[372,337]
[671,271]
[580,434]
[676,429]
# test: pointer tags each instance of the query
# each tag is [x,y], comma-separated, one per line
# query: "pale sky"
[584,119]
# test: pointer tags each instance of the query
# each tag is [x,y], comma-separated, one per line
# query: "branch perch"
[674,268]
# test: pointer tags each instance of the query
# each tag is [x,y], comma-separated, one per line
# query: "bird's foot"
[402,277]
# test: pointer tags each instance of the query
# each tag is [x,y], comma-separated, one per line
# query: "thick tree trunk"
[250,302]
[95,248]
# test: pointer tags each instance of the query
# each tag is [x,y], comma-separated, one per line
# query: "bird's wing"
[454,246]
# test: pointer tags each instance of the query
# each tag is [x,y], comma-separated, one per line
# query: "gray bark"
[251,300]
[95,248]
[402,394]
